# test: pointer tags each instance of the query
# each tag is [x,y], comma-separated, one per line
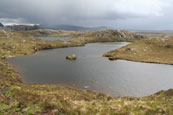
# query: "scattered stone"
[65,42]
[35,48]
[128,103]
[111,58]
[86,87]
[24,41]
[128,49]
[12,47]
[10,56]
[133,49]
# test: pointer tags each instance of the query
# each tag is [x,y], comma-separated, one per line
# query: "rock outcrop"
[107,36]
[115,35]
[73,57]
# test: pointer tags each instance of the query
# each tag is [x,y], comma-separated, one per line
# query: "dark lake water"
[53,38]
[117,78]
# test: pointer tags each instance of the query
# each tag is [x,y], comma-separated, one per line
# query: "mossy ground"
[17,97]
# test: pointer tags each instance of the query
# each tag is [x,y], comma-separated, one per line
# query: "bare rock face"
[116,35]
[73,57]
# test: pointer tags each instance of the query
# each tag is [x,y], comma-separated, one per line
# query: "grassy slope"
[19,98]
[155,50]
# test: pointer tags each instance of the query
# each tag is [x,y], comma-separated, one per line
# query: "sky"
[120,14]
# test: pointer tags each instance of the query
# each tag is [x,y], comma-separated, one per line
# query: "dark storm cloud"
[47,11]
[81,12]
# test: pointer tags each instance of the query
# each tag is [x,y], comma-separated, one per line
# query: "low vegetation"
[17,97]
[154,50]
[18,43]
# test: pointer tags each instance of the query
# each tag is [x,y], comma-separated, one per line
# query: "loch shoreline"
[17,97]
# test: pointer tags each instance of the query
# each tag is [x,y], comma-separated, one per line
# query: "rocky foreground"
[17,97]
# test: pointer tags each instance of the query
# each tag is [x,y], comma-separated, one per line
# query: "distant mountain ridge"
[22,27]
[73,27]
[1,25]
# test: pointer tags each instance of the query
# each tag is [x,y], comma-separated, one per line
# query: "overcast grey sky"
[121,14]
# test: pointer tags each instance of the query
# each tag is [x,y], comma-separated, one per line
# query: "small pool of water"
[54,38]
[92,71]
